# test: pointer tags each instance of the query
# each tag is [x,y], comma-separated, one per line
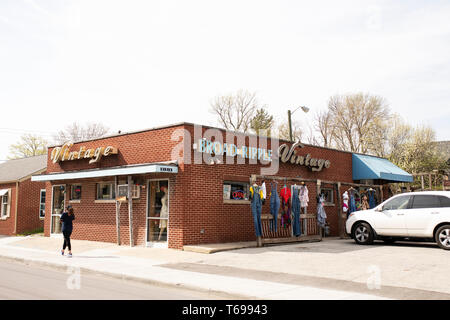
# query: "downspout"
[16,204]
[130,210]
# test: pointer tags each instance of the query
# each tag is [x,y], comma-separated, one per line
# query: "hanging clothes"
[321,214]
[285,195]
[296,212]
[372,200]
[364,203]
[345,203]
[263,189]
[274,206]
[304,197]
[256,204]
[352,194]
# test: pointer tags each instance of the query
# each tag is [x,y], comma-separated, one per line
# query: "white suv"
[420,216]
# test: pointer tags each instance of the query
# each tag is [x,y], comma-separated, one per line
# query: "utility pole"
[305,110]
[290,126]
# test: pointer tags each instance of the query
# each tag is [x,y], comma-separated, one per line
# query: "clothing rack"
[318,182]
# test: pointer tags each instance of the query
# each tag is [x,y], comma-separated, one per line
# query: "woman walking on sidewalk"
[66,218]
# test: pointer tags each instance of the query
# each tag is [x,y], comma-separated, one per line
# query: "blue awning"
[368,167]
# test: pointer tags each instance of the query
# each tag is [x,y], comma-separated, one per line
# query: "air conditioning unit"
[123,191]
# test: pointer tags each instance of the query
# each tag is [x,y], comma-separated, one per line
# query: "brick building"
[22,201]
[189,184]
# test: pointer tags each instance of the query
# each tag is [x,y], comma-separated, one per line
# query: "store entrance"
[158,213]
[58,201]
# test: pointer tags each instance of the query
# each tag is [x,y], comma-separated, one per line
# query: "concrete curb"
[125,277]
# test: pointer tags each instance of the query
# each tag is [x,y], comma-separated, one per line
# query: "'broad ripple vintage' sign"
[64,154]
[285,153]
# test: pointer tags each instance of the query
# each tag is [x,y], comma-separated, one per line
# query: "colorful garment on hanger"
[263,189]
[252,191]
[256,205]
[304,197]
[274,207]
[321,214]
[352,195]
[364,203]
[285,194]
[372,200]
[345,203]
[296,213]
[286,214]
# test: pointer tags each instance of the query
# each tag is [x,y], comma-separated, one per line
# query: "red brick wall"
[97,221]
[7,225]
[234,222]
[196,192]
[28,206]
[137,148]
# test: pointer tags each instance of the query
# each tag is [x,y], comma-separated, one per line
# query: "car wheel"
[443,237]
[363,233]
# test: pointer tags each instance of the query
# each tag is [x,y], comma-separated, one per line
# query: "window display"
[75,192]
[105,191]
[158,212]
[237,190]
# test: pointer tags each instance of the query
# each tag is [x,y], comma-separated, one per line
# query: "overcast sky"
[137,64]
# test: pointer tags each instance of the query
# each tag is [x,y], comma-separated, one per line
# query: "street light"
[305,110]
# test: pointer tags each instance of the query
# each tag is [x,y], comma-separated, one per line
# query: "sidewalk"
[221,272]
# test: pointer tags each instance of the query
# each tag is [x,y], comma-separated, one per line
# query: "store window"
[42,204]
[105,191]
[235,190]
[135,191]
[75,192]
[328,193]
[158,211]
[4,203]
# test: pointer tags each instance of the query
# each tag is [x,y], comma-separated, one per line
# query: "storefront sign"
[64,154]
[231,150]
[285,153]
[290,155]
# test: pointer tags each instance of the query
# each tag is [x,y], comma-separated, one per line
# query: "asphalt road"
[20,281]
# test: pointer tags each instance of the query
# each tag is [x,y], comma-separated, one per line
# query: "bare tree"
[76,132]
[283,131]
[415,149]
[358,121]
[28,146]
[323,124]
[235,112]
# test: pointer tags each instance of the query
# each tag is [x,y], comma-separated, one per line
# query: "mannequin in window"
[164,213]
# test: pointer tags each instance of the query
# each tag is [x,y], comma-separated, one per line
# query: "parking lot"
[400,270]
[338,267]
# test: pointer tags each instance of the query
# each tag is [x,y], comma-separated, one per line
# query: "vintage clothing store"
[181,185]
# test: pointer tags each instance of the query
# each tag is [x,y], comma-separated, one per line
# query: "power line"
[22,132]
[27,130]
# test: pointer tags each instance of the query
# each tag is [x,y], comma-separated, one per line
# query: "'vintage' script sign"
[290,155]
[64,154]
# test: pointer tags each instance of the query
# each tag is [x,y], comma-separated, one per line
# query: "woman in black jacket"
[67,227]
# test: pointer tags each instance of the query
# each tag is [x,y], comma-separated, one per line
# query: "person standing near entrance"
[66,218]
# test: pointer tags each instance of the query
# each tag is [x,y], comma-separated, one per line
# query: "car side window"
[445,201]
[426,201]
[397,203]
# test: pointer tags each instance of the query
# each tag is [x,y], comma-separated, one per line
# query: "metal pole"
[130,209]
[117,210]
[290,126]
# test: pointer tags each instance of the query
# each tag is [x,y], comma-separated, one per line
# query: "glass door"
[58,201]
[158,212]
